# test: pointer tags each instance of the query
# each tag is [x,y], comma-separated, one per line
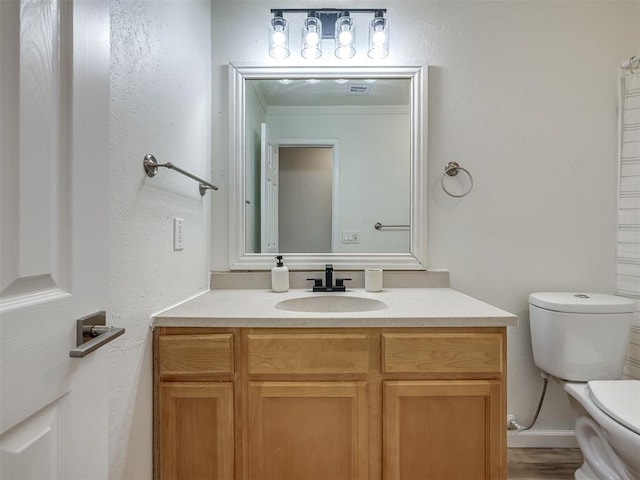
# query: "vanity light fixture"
[345,36]
[329,24]
[311,37]
[378,36]
[278,36]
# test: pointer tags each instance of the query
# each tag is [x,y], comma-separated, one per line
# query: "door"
[308,430]
[305,199]
[54,144]
[196,420]
[269,160]
[430,425]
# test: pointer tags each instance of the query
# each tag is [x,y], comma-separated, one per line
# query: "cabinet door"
[435,430]
[308,430]
[196,431]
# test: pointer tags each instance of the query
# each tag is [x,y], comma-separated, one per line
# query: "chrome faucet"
[328,281]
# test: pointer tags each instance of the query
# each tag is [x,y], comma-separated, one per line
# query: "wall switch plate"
[350,236]
[178,233]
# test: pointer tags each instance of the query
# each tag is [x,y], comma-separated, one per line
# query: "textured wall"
[160,104]
[523,94]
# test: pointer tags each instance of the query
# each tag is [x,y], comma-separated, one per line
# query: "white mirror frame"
[415,259]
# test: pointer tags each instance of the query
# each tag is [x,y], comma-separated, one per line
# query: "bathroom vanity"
[250,384]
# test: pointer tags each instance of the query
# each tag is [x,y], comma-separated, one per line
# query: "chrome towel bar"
[379,226]
[151,165]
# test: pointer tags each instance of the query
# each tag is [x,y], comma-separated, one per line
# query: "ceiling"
[330,92]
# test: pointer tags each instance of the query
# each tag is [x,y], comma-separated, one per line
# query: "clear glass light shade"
[311,38]
[279,38]
[378,38]
[345,37]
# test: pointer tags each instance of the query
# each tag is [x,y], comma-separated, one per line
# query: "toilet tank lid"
[577,302]
[620,399]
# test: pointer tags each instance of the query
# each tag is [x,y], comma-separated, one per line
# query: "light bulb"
[279,39]
[379,38]
[345,38]
[313,39]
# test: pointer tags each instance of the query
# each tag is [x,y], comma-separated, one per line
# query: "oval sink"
[330,304]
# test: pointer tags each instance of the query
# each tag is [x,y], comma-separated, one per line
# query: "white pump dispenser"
[279,277]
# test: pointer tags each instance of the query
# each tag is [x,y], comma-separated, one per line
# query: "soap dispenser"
[279,277]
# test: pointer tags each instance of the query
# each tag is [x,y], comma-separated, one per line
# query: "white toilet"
[581,340]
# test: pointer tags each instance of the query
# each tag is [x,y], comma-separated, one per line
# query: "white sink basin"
[330,304]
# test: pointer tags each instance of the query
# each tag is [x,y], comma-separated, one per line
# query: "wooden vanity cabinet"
[308,410]
[369,403]
[195,386]
[449,424]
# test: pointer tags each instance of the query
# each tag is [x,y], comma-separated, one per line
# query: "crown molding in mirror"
[416,258]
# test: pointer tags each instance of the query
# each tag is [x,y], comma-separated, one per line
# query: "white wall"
[521,93]
[374,164]
[160,104]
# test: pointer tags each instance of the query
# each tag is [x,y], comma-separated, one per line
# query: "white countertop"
[406,307]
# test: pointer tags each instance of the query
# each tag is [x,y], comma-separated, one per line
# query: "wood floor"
[543,463]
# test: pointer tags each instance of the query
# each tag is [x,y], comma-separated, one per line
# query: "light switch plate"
[178,233]
[350,236]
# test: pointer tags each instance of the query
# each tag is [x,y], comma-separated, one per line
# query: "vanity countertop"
[406,307]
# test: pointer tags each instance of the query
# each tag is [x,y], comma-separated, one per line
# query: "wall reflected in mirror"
[325,161]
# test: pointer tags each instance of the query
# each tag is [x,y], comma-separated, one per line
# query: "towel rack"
[151,165]
[379,226]
[452,169]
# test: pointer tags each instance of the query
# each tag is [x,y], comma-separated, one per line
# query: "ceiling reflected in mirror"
[312,92]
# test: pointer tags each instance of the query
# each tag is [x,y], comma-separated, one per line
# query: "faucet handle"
[340,281]
[317,282]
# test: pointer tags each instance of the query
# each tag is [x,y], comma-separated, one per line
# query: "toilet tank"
[580,337]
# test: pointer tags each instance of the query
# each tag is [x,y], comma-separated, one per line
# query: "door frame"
[334,143]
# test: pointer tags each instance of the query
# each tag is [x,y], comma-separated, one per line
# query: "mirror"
[328,166]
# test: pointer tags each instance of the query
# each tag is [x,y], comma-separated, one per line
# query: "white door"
[54,154]
[269,160]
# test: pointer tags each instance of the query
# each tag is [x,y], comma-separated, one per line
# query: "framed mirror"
[328,165]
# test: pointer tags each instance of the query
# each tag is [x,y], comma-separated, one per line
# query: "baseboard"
[542,439]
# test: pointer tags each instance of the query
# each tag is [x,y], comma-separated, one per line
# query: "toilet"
[581,341]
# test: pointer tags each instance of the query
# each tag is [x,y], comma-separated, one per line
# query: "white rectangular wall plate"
[178,233]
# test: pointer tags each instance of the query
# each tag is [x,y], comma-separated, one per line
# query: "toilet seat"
[619,399]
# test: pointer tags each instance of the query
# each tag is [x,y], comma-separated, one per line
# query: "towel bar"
[379,226]
[151,165]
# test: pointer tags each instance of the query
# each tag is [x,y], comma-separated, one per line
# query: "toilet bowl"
[581,341]
[607,428]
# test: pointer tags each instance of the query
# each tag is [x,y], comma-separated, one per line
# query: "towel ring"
[452,169]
